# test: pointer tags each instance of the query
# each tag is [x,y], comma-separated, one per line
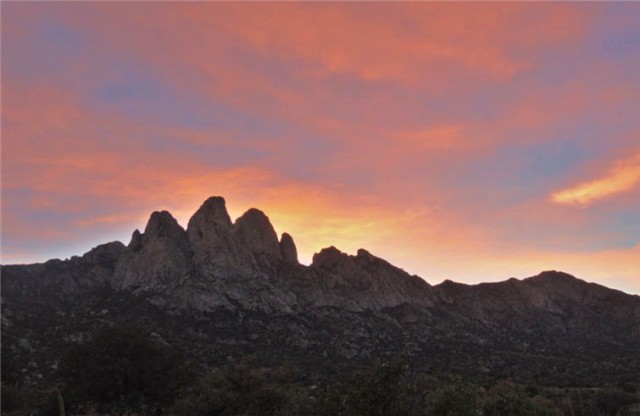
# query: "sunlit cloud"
[431,134]
[623,176]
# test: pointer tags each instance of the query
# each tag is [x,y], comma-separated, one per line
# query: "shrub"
[384,391]
[239,389]
[121,367]
[453,399]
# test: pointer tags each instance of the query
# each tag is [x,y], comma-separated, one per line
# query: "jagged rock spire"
[328,257]
[255,232]
[211,239]
[211,218]
[136,241]
[157,258]
[162,224]
[288,249]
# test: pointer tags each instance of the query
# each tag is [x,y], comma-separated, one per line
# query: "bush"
[453,399]
[239,389]
[385,391]
[121,368]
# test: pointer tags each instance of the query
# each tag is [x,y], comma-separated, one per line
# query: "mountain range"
[221,290]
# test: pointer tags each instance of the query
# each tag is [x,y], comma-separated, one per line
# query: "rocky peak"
[162,224]
[136,241]
[211,218]
[558,283]
[365,255]
[157,258]
[328,258]
[104,253]
[288,249]
[365,258]
[560,286]
[551,276]
[255,232]
[368,282]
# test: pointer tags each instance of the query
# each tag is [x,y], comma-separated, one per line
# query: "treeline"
[122,370]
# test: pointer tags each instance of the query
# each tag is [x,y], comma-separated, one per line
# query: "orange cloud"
[624,176]
[74,156]
[403,102]
[401,41]
[426,46]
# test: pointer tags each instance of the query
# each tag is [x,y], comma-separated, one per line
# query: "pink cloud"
[406,97]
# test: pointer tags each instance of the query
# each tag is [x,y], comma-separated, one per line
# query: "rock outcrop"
[288,249]
[236,286]
[209,236]
[217,263]
[158,259]
[254,231]
[367,282]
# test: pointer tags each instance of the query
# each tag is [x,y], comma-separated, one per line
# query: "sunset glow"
[624,176]
[463,141]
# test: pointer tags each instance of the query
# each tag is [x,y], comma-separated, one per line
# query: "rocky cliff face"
[368,282]
[156,259]
[240,288]
[217,263]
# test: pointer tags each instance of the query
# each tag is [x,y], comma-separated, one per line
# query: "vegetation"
[122,370]
[240,389]
[390,390]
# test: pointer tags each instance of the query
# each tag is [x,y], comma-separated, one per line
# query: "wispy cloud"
[430,133]
[623,176]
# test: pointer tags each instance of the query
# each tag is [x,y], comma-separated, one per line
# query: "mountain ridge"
[222,289]
[213,212]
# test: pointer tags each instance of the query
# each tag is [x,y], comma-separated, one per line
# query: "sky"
[465,141]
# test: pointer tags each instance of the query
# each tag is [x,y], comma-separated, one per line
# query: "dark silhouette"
[222,291]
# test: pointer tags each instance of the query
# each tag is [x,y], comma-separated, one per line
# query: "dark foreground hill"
[220,291]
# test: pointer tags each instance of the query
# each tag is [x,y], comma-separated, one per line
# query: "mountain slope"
[220,289]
